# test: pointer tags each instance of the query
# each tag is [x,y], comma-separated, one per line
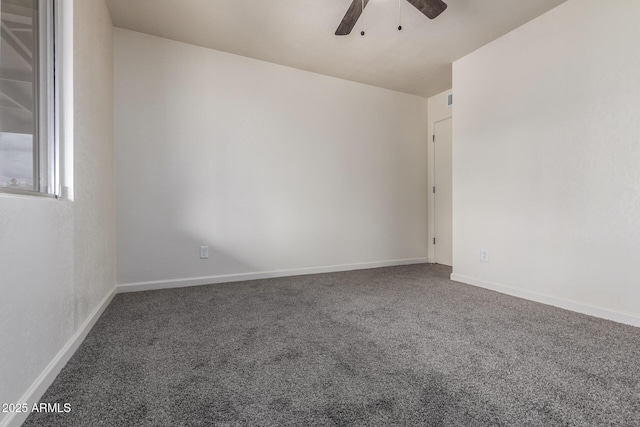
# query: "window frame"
[46,171]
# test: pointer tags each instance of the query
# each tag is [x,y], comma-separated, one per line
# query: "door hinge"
[434,240]
[434,137]
[434,188]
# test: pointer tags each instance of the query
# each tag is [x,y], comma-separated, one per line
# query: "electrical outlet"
[484,255]
[204,252]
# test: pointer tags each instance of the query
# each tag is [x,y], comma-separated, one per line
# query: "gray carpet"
[393,346]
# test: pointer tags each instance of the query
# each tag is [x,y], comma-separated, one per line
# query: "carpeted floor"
[393,346]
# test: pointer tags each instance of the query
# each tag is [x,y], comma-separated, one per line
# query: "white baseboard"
[45,379]
[615,316]
[225,278]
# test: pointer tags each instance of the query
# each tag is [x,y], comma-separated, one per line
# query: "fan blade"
[351,17]
[431,8]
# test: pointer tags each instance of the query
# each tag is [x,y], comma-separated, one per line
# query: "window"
[28,154]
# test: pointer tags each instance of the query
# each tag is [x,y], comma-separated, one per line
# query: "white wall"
[57,258]
[94,165]
[546,160]
[273,168]
[438,111]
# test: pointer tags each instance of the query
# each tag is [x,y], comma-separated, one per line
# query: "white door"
[442,197]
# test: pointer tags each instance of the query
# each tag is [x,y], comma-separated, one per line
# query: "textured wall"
[94,189]
[273,168]
[545,160]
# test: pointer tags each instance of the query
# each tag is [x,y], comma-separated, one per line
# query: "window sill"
[4,191]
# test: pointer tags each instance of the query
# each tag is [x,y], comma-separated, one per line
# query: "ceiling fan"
[431,8]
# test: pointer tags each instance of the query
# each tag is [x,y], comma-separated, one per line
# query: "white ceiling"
[300,34]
